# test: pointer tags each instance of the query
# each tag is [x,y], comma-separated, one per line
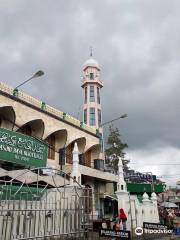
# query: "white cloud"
[162,161]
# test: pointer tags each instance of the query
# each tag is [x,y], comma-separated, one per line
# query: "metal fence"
[40,211]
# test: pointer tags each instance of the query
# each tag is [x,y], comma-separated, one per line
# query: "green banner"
[22,149]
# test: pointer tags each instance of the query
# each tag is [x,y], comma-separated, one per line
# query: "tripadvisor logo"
[139,231]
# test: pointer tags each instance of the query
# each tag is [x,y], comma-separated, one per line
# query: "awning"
[27,176]
[168,205]
[91,172]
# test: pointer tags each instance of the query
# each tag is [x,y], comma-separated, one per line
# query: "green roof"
[16,192]
[145,187]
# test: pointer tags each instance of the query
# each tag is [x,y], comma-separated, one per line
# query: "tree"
[115,148]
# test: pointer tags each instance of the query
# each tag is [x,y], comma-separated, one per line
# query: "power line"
[157,164]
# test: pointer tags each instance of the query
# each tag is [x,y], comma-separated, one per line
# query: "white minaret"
[75,174]
[91,84]
[122,193]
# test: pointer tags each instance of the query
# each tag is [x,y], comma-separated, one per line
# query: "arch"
[88,193]
[61,137]
[34,127]
[56,141]
[7,117]
[81,142]
[91,154]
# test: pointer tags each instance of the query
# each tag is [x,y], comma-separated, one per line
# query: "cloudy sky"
[137,44]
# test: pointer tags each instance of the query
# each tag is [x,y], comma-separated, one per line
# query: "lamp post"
[36,75]
[122,116]
[106,123]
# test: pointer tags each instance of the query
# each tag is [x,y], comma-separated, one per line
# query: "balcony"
[92,172]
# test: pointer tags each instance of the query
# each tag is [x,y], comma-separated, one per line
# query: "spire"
[91,51]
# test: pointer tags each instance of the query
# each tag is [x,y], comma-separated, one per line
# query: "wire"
[157,164]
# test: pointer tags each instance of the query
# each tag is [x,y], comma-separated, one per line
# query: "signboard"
[153,226]
[121,234]
[22,149]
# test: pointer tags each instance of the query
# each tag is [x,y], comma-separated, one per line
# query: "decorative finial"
[91,51]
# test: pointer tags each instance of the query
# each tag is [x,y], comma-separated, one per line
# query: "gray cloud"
[136,43]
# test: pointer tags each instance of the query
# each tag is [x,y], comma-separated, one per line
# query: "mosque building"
[34,134]
[28,124]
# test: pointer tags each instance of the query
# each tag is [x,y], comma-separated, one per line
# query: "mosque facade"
[23,115]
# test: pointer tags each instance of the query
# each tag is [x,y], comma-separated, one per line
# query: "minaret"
[91,84]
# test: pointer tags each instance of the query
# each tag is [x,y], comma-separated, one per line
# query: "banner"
[22,149]
[153,226]
[121,234]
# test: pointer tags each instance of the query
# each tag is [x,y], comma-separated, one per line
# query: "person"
[113,222]
[171,216]
[122,217]
[165,217]
[118,226]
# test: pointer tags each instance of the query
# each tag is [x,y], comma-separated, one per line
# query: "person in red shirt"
[122,217]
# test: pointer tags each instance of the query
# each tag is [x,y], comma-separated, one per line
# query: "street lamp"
[36,75]
[105,123]
[122,116]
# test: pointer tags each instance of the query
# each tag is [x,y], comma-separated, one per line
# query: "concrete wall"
[64,132]
[138,212]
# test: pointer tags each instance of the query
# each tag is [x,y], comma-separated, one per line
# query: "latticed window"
[69,153]
[51,147]
[92,116]
[92,99]
[88,158]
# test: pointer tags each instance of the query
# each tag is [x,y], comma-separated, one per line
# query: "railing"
[43,212]
[43,106]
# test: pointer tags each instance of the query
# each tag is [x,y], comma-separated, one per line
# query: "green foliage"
[115,147]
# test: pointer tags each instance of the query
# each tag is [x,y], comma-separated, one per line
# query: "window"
[51,147]
[62,153]
[85,116]
[92,76]
[85,95]
[98,95]
[92,99]
[69,153]
[99,117]
[92,116]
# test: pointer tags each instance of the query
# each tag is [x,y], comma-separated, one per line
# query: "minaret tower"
[91,84]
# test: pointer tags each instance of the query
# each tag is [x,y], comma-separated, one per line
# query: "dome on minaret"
[91,62]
